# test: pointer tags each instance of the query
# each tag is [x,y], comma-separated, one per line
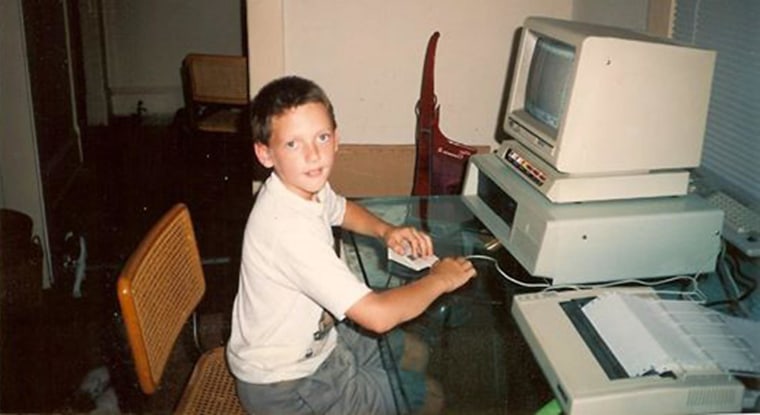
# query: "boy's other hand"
[408,240]
[454,271]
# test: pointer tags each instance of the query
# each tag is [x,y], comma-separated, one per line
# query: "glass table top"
[477,351]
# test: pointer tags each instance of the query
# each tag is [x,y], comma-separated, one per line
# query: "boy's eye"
[291,144]
[324,137]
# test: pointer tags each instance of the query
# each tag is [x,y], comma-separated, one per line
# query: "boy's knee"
[434,398]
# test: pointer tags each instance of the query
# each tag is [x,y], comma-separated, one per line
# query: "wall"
[146,40]
[622,13]
[368,56]
[651,16]
[20,176]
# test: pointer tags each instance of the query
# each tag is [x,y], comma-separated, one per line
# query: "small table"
[477,351]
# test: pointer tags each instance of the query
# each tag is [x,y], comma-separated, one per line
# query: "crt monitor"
[598,100]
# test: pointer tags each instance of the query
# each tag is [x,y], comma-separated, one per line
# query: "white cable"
[695,294]
[507,276]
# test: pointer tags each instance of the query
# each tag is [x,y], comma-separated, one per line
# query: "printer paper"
[648,334]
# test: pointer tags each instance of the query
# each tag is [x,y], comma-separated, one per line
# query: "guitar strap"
[440,162]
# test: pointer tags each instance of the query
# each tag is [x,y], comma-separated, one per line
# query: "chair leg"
[196,332]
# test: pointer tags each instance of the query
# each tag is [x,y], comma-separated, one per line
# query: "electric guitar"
[440,162]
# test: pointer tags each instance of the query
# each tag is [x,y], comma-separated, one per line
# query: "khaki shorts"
[352,380]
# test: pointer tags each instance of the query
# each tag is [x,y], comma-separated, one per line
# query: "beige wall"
[623,13]
[368,56]
[652,16]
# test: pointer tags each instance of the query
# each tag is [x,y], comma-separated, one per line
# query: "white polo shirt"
[289,274]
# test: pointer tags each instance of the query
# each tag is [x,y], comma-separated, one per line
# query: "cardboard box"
[367,170]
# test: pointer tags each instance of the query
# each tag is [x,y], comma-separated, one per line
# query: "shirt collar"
[275,185]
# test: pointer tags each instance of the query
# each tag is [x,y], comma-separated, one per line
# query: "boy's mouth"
[315,172]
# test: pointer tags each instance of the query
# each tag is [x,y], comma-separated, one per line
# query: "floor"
[131,175]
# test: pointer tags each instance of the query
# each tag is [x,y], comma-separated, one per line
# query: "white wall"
[623,13]
[146,40]
[368,56]
[20,179]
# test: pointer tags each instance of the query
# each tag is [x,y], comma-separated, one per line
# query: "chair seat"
[221,121]
[211,389]
[216,91]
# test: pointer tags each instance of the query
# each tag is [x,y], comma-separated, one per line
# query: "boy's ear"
[262,153]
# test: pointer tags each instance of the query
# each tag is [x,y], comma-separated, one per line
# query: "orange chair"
[158,289]
[216,91]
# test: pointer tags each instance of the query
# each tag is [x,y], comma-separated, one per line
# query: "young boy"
[286,350]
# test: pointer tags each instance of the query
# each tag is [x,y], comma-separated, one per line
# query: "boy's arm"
[360,220]
[399,238]
[381,311]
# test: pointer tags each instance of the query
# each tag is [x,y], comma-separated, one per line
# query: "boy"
[286,350]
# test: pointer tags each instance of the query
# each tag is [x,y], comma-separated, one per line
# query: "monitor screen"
[549,81]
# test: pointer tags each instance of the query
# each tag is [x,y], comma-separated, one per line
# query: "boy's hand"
[408,240]
[454,271]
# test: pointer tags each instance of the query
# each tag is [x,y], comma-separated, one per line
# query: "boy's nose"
[312,152]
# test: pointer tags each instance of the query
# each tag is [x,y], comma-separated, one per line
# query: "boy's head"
[280,95]
[294,133]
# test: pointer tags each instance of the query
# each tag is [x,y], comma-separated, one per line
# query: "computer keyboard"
[741,225]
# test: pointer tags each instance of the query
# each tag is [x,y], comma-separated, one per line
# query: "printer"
[624,350]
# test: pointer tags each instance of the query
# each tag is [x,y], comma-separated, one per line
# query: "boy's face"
[301,149]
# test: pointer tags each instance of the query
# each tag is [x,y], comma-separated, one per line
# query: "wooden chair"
[158,289]
[216,91]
